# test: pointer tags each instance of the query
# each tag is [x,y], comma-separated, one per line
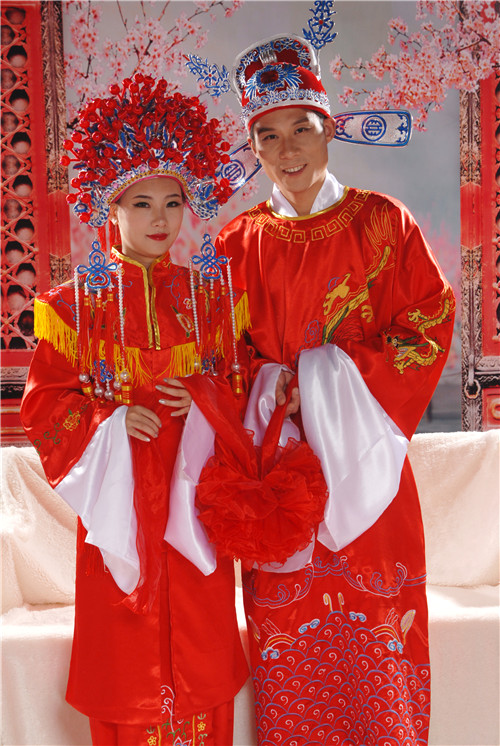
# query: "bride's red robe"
[127,667]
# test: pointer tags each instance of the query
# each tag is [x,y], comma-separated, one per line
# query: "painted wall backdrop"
[414,55]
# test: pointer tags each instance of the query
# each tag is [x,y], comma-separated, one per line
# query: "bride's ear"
[112,213]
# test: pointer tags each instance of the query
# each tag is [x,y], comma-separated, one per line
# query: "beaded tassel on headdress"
[101,362]
[212,333]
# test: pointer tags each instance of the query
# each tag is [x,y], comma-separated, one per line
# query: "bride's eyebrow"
[148,196]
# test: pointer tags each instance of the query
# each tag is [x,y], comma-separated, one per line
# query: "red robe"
[340,649]
[123,663]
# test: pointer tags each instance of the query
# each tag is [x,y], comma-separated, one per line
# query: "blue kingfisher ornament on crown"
[139,131]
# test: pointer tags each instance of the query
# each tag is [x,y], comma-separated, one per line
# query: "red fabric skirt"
[188,643]
[211,728]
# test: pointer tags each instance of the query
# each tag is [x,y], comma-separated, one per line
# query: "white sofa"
[458,476]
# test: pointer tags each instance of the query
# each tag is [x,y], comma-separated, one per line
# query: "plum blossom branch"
[148,44]
[455,51]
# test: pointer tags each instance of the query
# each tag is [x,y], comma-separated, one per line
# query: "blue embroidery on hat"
[272,78]
[216,79]
[321,24]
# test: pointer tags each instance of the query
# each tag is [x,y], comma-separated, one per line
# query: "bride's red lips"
[158,236]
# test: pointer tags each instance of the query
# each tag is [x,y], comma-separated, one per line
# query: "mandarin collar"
[161,263]
[331,192]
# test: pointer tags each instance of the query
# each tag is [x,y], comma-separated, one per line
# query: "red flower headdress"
[140,131]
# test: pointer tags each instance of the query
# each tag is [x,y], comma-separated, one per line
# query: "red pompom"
[261,519]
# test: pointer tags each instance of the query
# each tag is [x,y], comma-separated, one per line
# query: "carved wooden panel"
[480,254]
[34,218]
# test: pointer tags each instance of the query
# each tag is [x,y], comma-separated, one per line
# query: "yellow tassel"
[50,327]
[182,360]
[133,362]
[242,316]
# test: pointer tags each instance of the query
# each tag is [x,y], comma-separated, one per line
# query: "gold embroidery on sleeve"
[420,349]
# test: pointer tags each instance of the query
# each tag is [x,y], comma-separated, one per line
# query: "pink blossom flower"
[347,97]
[462,48]
[336,65]
[201,40]
[233,7]
[357,74]
[249,190]
[398,26]
[232,126]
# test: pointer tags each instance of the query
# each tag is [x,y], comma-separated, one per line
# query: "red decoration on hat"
[279,72]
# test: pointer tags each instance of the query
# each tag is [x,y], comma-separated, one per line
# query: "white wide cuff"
[100,489]
[184,531]
[362,451]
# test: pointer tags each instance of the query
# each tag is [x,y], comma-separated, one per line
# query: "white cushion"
[38,534]
[458,479]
